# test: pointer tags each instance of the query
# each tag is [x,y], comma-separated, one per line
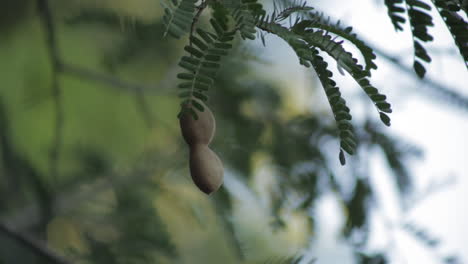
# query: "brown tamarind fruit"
[206,168]
[200,131]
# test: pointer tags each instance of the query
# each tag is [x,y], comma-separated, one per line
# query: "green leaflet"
[285,9]
[202,63]
[178,16]
[338,105]
[305,42]
[245,15]
[317,21]
[308,33]
[420,21]
[345,59]
[456,24]
[395,10]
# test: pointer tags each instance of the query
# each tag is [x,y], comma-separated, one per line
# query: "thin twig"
[441,89]
[84,73]
[39,248]
[139,90]
[200,8]
[49,30]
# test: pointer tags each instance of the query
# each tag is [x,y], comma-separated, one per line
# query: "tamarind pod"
[199,131]
[206,168]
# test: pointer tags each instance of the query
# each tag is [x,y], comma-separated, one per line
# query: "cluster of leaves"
[205,52]
[178,16]
[309,33]
[303,172]
[455,23]
[420,20]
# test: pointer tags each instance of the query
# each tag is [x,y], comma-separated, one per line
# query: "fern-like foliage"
[178,16]
[245,14]
[305,30]
[420,21]
[318,21]
[245,22]
[310,56]
[202,64]
[286,8]
[456,24]
[396,11]
[305,42]
[335,49]
[338,105]
[308,32]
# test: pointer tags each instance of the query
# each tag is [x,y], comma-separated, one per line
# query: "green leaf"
[198,106]
[347,148]
[193,51]
[197,42]
[385,118]
[384,107]
[378,97]
[419,69]
[185,94]
[200,96]
[396,9]
[188,66]
[178,17]
[342,158]
[185,76]
[185,85]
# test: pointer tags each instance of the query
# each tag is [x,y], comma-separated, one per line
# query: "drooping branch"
[200,8]
[440,89]
[83,73]
[35,246]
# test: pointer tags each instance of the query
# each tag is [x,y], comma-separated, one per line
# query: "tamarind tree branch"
[49,30]
[437,87]
[446,93]
[200,8]
[83,73]
[36,246]
[138,89]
